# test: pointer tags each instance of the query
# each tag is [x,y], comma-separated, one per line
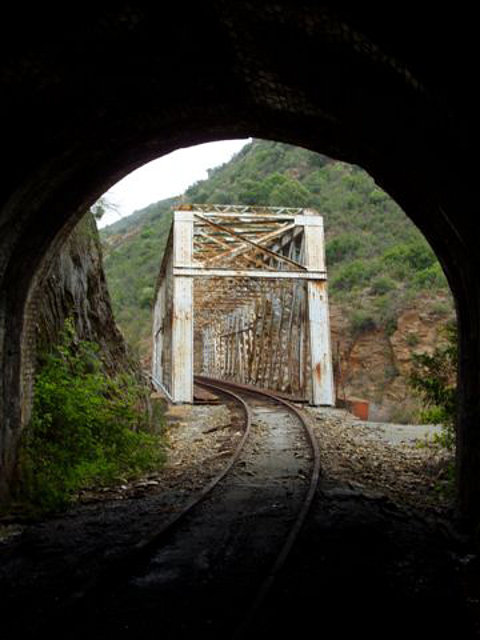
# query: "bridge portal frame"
[173,318]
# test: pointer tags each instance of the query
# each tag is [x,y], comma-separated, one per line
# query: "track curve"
[227,543]
[281,558]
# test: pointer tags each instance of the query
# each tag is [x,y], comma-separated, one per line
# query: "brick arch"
[89,95]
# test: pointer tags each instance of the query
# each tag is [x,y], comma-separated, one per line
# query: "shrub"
[221,197]
[249,192]
[289,193]
[413,256]
[390,325]
[315,181]
[412,339]
[353,274]
[377,196]
[146,297]
[86,427]
[382,285]
[361,322]
[434,378]
[346,245]
[430,278]
[147,232]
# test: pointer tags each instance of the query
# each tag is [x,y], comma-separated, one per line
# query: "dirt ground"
[379,553]
[400,462]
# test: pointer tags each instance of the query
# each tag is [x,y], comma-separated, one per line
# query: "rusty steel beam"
[255,245]
[259,316]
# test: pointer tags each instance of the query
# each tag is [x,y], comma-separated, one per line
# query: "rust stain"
[254,327]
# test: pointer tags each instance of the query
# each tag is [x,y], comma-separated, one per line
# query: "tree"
[289,193]
[102,206]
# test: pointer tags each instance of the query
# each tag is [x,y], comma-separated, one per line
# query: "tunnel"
[90,93]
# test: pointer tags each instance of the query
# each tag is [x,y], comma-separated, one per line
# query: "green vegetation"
[133,249]
[434,377]
[361,322]
[86,429]
[378,261]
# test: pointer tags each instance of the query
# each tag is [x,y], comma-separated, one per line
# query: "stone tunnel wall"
[73,285]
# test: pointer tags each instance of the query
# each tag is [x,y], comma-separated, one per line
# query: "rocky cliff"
[375,364]
[71,284]
[75,287]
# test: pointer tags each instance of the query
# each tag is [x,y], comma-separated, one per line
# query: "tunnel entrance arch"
[90,96]
[247,285]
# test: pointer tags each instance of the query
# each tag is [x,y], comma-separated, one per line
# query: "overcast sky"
[167,176]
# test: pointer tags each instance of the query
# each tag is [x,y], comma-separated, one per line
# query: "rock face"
[76,287]
[375,365]
[73,286]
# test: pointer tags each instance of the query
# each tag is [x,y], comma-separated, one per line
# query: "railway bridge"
[90,92]
[242,296]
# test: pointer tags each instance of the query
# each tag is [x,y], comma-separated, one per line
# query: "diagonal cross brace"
[246,240]
[224,245]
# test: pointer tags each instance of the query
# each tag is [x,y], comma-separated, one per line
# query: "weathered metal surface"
[323,389]
[182,318]
[249,273]
[250,285]
[162,325]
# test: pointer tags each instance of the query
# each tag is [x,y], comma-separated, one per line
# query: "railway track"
[298,521]
[363,564]
[210,567]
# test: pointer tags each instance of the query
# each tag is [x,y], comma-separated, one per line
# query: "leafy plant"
[86,427]
[361,322]
[430,278]
[352,274]
[382,285]
[412,339]
[342,247]
[434,378]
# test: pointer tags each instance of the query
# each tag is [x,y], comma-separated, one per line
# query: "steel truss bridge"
[242,296]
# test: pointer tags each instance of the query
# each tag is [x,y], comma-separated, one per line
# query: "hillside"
[133,249]
[380,266]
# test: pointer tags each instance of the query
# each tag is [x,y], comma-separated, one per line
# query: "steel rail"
[146,545]
[282,556]
[143,549]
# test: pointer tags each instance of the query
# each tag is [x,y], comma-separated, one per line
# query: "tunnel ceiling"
[92,92]
[355,84]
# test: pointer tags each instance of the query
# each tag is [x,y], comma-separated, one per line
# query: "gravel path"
[385,459]
[412,434]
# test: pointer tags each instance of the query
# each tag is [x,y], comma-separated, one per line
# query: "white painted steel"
[182,318]
[225,350]
[249,273]
[323,390]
